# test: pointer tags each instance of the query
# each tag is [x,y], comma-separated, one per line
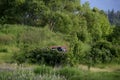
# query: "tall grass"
[63,73]
[43,35]
[17,38]
[27,75]
[43,70]
[74,73]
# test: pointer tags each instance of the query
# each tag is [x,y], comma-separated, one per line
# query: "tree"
[114,17]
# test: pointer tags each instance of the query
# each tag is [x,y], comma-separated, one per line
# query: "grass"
[6,52]
[18,37]
[110,67]
[27,75]
[43,70]
[48,73]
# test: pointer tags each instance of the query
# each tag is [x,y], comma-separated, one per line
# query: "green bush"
[41,56]
[19,58]
[46,56]
[103,52]
[3,50]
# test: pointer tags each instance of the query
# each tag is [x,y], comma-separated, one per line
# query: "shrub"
[42,56]
[3,50]
[46,56]
[19,58]
[103,52]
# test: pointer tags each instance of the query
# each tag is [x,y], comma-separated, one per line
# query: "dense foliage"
[86,32]
[42,56]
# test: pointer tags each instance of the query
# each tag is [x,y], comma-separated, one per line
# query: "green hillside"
[15,38]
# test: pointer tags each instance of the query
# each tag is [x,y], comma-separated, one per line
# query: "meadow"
[42,72]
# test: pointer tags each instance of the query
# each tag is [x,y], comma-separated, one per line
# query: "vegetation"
[86,32]
[49,73]
[28,28]
[114,17]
